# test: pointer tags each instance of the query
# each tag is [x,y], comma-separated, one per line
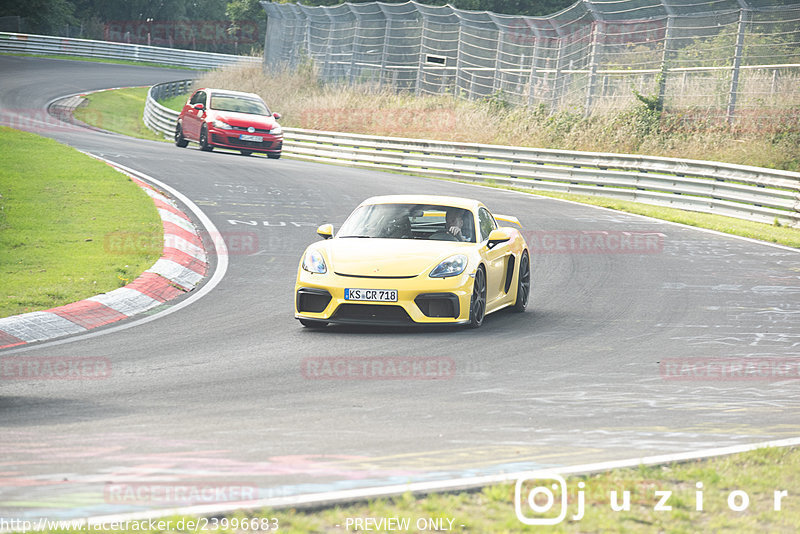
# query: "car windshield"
[410,221]
[239,104]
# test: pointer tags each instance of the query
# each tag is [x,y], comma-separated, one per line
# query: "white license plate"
[371,295]
[245,137]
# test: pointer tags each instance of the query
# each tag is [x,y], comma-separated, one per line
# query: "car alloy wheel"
[477,307]
[204,146]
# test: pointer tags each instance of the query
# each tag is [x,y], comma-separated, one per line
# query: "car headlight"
[277,130]
[452,266]
[314,263]
[220,124]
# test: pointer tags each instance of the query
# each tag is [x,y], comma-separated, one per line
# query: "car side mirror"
[498,236]
[325,231]
[277,116]
[199,107]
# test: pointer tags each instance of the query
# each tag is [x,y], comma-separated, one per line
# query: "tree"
[49,17]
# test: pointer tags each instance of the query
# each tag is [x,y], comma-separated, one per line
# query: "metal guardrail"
[160,118]
[740,191]
[21,43]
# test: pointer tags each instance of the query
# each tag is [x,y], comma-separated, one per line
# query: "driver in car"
[454,225]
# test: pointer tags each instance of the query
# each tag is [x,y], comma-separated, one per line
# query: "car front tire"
[273,155]
[477,305]
[204,146]
[180,140]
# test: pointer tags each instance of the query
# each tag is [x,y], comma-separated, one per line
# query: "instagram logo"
[536,508]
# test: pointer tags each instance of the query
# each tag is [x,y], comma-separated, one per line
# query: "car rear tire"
[523,283]
[477,304]
[204,146]
[180,140]
[313,324]
[274,155]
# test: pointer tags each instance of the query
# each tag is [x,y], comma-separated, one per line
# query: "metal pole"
[355,43]
[665,57]
[457,84]
[554,103]
[744,17]
[592,69]
[497,83]
[385,52]
[532,83]
[420,71]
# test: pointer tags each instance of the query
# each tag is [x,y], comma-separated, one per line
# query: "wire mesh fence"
[715,60]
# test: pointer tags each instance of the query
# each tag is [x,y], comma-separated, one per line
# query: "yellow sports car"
[412,259]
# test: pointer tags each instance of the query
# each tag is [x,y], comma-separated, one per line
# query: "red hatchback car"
[229,119]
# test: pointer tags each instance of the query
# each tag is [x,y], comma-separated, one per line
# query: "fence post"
[597,19]
[497,82]
[665,57]
[592,69]
[532,83]
[385,51]
[471,94]
[744,17]
[556,75]
[356,33]
[457,84]
[420,70]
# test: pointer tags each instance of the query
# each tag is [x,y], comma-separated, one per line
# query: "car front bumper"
[420,300]
[230,139]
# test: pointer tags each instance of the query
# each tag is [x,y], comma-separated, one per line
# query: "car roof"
[455,202]
[229,92]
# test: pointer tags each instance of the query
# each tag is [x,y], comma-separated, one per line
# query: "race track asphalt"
[219,393]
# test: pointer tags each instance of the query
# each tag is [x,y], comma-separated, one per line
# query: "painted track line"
[313,500]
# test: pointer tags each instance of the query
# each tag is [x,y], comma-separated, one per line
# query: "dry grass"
[304,102]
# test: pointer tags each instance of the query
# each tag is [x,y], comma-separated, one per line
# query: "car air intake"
[371,313]
[312,300]
[438,304]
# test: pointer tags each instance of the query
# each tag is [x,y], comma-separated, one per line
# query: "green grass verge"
[758,474]
[119,111]
[62,214]
[175,103]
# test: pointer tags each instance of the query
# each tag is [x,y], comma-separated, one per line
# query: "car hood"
[376,257]
[233,118]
